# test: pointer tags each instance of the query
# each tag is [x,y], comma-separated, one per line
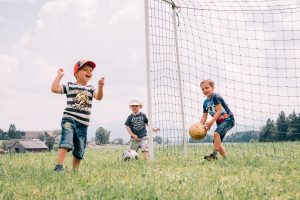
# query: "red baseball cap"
[81,63]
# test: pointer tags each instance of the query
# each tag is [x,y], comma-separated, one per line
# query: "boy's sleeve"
[204,107]
[145,119]
[93,89]
[216,99]
[127,123]
[65,88]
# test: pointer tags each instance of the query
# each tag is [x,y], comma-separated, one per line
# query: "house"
[10,143]
[118,141]
[34,135]
[57,139]
[52,133]
[25,146]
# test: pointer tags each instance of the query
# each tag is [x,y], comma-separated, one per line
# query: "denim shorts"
[225,126]
[73,137]
[140,143]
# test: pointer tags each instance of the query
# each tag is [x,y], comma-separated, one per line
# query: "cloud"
[3,20]
[9,67]
[111,33]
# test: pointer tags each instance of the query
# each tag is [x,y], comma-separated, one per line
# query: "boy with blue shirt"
[136,127]
[216,106]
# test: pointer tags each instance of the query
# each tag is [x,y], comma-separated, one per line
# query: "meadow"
[103,175]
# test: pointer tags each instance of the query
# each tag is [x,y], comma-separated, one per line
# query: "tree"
[50,141]
[42,137]
[245,136]
[13,133]
[3,135]
[293,132]
[268,132]
[102,136]
[207,139]
[157,139]
[282,126]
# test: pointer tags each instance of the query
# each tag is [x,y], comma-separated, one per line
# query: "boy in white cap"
[76,116]
[136,127]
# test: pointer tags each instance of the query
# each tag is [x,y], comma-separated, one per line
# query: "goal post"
[250,49]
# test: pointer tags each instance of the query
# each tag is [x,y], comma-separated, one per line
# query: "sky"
[38,37]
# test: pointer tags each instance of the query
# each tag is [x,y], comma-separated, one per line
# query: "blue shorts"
[225,126]
[73,137]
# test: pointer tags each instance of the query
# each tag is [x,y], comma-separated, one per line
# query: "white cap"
[135,101]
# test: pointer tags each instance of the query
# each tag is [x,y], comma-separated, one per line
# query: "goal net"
[250,49]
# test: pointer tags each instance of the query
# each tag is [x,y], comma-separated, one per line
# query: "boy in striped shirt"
[76,116]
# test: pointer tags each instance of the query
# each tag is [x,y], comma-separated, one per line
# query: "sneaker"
[58,168]
[211,157]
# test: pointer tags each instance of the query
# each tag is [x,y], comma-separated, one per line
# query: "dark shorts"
[73,137]
[225,126]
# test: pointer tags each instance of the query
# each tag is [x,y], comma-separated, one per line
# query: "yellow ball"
[197,131]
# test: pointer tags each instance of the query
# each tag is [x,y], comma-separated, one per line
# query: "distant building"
[10,143]
[33,135]
[57,139]
[118,141]
[25,146]
[52,133]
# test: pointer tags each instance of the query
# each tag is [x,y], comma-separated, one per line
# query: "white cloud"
[109,32]
[9,67]
[2,20]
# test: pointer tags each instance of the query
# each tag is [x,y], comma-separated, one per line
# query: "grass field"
[104,176]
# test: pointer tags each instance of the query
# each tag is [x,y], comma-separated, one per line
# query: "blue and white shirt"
[209,106]
[137,124]
[79,102]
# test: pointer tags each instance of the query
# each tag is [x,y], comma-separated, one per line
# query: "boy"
[136,127]
[76,116]
[221,114]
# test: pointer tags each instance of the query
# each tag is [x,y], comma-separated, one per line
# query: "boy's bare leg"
[145,155]
[76,163]
[61,155]
[222,151]
[218,145]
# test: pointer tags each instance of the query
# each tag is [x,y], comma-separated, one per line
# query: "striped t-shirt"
[79,102]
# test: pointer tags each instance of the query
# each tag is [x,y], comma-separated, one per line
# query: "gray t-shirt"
[137,124]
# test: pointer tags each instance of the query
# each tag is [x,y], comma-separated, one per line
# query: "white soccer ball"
[129,155]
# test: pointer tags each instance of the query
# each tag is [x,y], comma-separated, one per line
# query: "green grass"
[103,175]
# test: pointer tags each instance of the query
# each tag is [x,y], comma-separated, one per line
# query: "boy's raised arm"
[99,93]
[56,88]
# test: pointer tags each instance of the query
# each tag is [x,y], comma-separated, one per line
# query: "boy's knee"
[216,136]
[78,155]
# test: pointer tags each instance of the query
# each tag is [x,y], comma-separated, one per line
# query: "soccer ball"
[129,155]
[197,131]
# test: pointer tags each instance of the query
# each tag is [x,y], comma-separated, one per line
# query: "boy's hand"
[207,126]
[156,129]
[101,83]
[61,72]
[135,137]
